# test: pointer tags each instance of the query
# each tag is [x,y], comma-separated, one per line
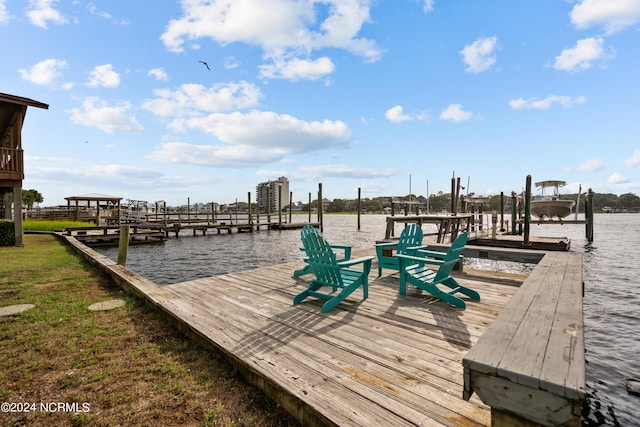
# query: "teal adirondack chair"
[336,275]
[307,269]
[409,242]
[414,271]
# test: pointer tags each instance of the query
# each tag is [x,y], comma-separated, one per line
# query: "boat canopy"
[551,183]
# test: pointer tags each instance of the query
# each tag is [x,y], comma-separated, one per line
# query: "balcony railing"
[11,164]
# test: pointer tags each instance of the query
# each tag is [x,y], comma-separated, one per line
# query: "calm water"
[610,264]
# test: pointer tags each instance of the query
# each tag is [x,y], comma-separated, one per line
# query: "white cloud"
[252,139]
[479,55]
[546,103]
[634,160]
[65,171]
[159,74]
[428,5]
[582,55]
[4,14]
[192,99]
[396,114]
[297,69]
[455,113]
[284,29]
[103,14]
[94,11]
[108,118]
[103,76]
[41,12]
[590,165]
[44,72]
[617,178]
[268,129]
[613,15]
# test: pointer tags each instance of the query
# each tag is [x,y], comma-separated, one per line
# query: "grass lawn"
[122,367]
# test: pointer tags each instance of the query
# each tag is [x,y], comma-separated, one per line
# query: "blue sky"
[350,93]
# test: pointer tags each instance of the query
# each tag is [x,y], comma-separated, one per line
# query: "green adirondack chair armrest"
[345,248]
[386,245]
[417,248]
[350,262]
[432,254]
[420,260]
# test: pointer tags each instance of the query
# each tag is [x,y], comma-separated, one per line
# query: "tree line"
[440,202]
[436,203]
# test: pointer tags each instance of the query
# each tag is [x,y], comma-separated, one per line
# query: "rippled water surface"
[610,266]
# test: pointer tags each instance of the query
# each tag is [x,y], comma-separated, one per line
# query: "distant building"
[272,200]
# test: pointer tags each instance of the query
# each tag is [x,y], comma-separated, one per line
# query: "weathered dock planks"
[389,359]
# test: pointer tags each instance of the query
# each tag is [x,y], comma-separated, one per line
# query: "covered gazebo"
[13,110]
[87,207]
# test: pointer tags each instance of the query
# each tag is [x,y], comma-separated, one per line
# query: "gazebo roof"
[95,197]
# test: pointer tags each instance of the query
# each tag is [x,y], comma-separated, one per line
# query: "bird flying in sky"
[205,64]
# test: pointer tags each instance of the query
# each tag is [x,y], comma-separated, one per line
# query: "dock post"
[309,207]
[527,211]
[393,213]
[268,206]
[320,206]
[123,245]
[502,211]
[453,195]
[290,205]
[588,215]
[513,212]
[249,219]
[494,225]
[280,205]
[358,207]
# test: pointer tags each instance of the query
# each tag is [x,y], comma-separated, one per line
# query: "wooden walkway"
[391,359]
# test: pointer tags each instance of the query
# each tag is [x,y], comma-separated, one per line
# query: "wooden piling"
[280,204]
[358,207]
[588,216]
[453,195]
[123,245]
[249,219]
[513,212]
[290,205]
[320,219]
[527,211]
[502,211]
[268,205]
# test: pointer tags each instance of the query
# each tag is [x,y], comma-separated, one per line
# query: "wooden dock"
[156,231]
[387,360]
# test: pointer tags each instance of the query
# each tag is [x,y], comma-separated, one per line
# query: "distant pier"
[156,231]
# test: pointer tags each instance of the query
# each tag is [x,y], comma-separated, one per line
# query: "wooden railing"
[11,163]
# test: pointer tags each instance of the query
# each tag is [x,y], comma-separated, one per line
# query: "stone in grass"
[107,305]
[15,309]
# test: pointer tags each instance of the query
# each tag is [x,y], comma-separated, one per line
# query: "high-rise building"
[273,201]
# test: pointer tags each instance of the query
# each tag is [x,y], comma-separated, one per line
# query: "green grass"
[51,225]
[129,364]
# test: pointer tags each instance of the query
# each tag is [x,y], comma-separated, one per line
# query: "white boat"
[550,205]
